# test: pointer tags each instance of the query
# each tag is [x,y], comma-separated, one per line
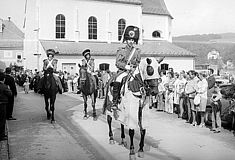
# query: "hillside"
[201,49]
[214,38]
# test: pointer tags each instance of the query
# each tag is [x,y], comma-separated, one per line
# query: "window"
[7,54]
[121,28]
[156,34]
[60,26]
[92,28]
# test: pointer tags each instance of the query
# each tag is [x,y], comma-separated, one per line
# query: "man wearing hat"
[127,59]
[50,65]
[10,81]
[90,62]
[50,62]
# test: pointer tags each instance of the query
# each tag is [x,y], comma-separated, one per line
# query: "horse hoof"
[123,143]
[52,121]
[85,117]
[141,154]
[95,118]
[132,157]
[111,141]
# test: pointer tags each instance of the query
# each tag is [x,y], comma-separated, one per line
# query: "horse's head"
[149,70]
[83,73]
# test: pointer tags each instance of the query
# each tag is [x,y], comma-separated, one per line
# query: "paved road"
[168,138]
[33,137]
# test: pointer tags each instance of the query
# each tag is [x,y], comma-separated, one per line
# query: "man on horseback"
[49,67]
[127,59]
[90,63]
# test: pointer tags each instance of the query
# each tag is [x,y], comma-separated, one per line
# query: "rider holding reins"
[127,59]
[50,66]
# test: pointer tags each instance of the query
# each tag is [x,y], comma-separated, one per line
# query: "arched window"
[60,26]
[92,28]
[156,34]
[121,28]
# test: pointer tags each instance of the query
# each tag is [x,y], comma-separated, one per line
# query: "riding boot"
[79,85]
[116,97]
[116,94]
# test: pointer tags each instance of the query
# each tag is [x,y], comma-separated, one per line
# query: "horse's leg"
[85,107]
[132,149]
[93,107]
[141,145]
[52,107]
[109,119]
[123,142]
[47,107]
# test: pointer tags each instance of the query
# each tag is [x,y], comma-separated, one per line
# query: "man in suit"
[5,92]
[10,81]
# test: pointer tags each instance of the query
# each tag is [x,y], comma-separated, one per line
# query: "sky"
[190,16]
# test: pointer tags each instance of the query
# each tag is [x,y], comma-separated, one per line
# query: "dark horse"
[228,92]
[87,87]
[147,85]
[49,90]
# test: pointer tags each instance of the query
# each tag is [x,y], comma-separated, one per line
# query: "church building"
[71,26]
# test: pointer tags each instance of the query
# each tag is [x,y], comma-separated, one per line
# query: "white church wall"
[152,23]
[76,16]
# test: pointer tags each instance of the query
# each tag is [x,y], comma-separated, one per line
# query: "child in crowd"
[216,110]
[26,86]
[161,91]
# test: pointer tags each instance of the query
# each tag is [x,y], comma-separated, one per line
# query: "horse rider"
[50,65]
[90,63]
[127,59]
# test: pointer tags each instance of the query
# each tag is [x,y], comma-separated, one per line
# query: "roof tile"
[149,48]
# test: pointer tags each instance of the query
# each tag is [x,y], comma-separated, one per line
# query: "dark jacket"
[9,80]
[5,92]
[211,82]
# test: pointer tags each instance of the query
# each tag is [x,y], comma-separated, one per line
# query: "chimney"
[9,18]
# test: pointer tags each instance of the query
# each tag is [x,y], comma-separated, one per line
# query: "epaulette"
[121,48]
[55,60]
[44,60]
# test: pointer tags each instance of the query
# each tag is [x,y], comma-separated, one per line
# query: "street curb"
[4,147]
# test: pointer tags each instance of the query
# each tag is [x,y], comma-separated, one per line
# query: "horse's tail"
[105,104]
[107,101]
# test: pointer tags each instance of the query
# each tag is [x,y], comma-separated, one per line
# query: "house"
[70,26]
[11,44]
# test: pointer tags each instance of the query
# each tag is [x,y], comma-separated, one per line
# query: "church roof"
[157,7]
[123,1]
[11,37]
[148,49]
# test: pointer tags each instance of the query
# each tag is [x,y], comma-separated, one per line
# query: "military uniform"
[48,66]
[91,69]
[90,63]
[127,58]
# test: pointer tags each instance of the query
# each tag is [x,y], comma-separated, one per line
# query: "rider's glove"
[128,67]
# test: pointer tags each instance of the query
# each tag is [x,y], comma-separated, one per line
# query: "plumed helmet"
[50,52]
[131,32]
[85,52]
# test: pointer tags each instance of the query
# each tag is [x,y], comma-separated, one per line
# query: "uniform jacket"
[52,64]
[5,92]
[10,81]
[90,64]
[123,55]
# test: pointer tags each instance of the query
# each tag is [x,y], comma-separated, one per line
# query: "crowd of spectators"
[187,94]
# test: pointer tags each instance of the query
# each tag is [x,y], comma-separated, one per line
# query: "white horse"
[133,110]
